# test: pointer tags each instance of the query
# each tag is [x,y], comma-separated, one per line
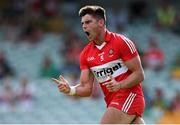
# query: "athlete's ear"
[101,22]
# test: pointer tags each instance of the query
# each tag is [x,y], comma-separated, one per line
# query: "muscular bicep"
[85,87]
[134,64]
[137,75]
[86,78]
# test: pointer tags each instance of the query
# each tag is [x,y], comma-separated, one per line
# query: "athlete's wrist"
[72,91]
[120,85]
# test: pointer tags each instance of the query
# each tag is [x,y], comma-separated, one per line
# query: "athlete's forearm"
[83,90]
[135,78]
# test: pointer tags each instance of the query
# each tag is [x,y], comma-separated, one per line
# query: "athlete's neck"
[100,37]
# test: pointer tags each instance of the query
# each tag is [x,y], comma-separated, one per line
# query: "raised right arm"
[83,89]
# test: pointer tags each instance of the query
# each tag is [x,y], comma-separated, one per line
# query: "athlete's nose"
[84,27]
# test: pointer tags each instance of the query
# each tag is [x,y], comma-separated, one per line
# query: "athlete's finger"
[61,85]
[57,81]
[106,83]
[111,90]
[62,79]
[62,89]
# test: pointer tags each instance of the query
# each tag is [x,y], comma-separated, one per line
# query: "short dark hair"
[93,10]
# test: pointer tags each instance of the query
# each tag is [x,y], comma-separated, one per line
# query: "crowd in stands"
[17,96]
[27,21]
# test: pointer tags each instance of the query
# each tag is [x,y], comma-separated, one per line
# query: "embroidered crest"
[111,52]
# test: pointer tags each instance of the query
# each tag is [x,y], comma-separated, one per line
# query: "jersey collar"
[107,38]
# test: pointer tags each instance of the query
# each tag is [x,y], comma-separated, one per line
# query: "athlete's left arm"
[137,75]
[132,61]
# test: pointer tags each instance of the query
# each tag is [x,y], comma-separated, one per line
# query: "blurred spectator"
[5,69]
[175,70]
[25,95]
[153,57]
[159,99]
[48,69]
[166,15]
[7,96]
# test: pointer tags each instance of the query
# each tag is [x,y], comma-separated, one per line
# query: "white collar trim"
[101,46]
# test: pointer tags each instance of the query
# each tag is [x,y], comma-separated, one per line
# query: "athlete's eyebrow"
[86,22]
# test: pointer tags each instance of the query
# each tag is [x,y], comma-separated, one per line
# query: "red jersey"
[109,58]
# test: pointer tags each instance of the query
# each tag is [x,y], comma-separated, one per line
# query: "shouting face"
[92,26]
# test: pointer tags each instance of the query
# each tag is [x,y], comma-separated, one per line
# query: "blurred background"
[40,39]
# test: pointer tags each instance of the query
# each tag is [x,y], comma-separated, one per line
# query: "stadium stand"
[49,106]
[52,107]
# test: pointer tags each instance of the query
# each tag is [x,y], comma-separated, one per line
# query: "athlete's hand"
[112,85]
[63,84]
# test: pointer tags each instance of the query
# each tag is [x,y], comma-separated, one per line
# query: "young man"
[114,61]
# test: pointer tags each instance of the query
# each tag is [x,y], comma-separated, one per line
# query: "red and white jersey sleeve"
[128,49]
[83,62]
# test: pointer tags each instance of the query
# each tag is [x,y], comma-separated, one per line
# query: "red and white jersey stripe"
[128,102]
[129,43]
[115,68]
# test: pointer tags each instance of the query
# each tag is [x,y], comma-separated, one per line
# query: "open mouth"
[87,33]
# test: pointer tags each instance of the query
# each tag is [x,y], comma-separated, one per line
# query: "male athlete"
[114,61]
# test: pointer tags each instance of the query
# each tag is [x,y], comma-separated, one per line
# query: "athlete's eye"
[87,33]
